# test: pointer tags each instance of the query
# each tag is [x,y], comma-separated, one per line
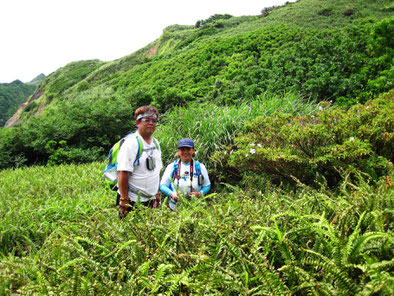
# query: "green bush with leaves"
[211,126]
[327,144]
[212,19]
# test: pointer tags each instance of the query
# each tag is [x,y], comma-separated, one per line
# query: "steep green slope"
[15,93]
[322,50]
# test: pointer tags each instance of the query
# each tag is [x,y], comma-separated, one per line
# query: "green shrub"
[325,11]
[60,153]
[30,108]
[212,126]
[326,144]
[348,10]
[212,19]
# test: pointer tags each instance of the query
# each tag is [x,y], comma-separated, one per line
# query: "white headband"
[146,114]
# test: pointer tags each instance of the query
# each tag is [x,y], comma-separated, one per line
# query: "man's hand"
[156,203]
[196,194]
[123,184]
[124,204]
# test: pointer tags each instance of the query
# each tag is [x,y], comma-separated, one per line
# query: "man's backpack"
[111,171]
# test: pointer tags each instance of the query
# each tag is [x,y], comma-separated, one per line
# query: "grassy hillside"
[292,113]
[332,13]
[319,50]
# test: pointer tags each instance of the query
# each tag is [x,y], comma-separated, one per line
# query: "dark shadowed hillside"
[15,93]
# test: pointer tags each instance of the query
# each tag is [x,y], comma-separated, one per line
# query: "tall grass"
[36,200]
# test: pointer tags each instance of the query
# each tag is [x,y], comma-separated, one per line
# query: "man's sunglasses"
[147,120]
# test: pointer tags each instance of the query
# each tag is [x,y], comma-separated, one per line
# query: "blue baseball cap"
[185,143]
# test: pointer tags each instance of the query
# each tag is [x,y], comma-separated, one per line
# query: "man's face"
[146,125]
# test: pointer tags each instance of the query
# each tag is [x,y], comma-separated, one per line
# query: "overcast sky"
[40,36]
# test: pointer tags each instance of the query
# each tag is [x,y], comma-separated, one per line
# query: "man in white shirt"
[139,178]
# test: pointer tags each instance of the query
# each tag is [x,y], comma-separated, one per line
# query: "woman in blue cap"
[185,175]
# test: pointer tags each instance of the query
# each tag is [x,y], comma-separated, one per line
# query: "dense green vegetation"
[325,145]
[292,113]
[86,106]
[65,237]
[60,231]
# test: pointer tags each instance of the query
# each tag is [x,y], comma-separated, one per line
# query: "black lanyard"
[191,171]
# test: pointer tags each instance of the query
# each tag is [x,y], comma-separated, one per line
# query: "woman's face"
[186,154]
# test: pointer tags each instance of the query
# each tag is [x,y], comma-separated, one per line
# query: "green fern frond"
[234,250]
[383,265]
[71,263]
[123,246]
[77,281]
[143,269]
[237,253]
[360,243]
[331,270]
[272,284]
[93,243]
[356,231]
[177,279]
[158,276]
[382,283]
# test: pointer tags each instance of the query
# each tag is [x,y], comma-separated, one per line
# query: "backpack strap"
[140,149]
[110,172]
[139,152]
[200,176]
[197,166]
[194,163]
[156,144]
[174,169]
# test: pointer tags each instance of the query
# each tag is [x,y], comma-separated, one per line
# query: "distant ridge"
[36,81]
